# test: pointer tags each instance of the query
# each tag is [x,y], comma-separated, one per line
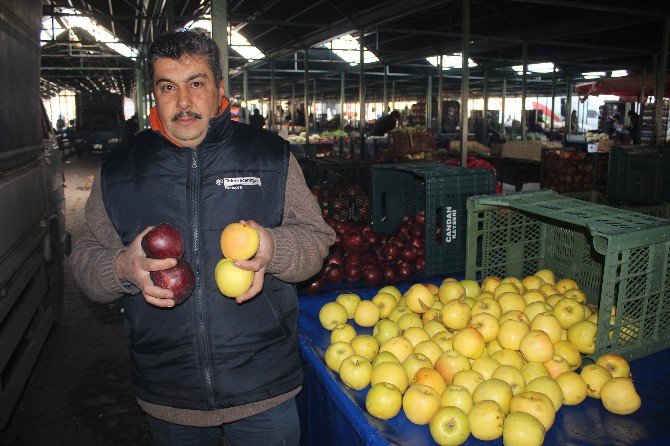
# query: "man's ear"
[221,92]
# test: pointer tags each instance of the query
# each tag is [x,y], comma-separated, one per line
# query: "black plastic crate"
[335,171]
[639,174]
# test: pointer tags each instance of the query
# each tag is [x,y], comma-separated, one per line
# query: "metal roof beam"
[598,7]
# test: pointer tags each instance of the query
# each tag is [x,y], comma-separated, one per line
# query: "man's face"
[186,97]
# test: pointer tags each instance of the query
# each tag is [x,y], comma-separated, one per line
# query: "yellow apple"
[487,305]
[469,342]
[331,314]
[588,311]
[449,363]
[569,352]
[532,370]
[457,396]
[494,389]
[490,283]
[471,287]
[505,287]
[619,396]
[414,362]
[535,308]
[420,403]
[532,296]
[548,386]
[617,365]
[536,345]
[493,347]
[568,311]
[486,420]
[522,429]
[509,357]
[336,353]
[514,315]
[549,324]
[512,376]
[383,357]
[433,326]
[350,302]
[573,387]
[427,376]
[532,282]
[409,320]
[430,349]
[342,333]
[536,404]
[548,289]
[450,291]
[449,426]
[595,377]
[582,335]
[385,329]
[445,339]
[564,285]
[485,295]
[455,314]
[391,373]
[546,275]
[366,346]
[469,379]
[415,335]
[355,372]
[390,289]
[231,280]
[485,366]
[510,334]
[367,313]
[431,314]
[419,298]
[386,303]
[511,301]
[557,365]
[383,401]
[575,294]
[432,288]
[437,305]
[518,283]
[553,299]
[399,346]
[486,324]
[398,312]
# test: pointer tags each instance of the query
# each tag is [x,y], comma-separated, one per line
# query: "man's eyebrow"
[188,79]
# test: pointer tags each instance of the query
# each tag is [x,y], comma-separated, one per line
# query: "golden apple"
[336,353]
[455,314]
[548,386]
[486,420]
[582,334]
[522,429]
[616,364]
[383,357]
[430,315]
[564,285]
[450,291]
[532,370]
[398,312]
[532,282]
[390,289]
[549,324]
[433,326]
[427,376]
[385,329]
[355,372]
[595,377]
[509,357]
[573,387]
[471,287]
[414,362]
[494,389]
[493,347]
[568,311]
[536,345]
[386,303]
[469,379]
[469,342]
[420,403]
[415,335]
[409,320]
[430,349]
[487,305]
[532,296]
[485,366]
[391,373]
[546,275]
[366,346]
[383,401]
[342,333]
[419,298]
[332,314]
[490,283]
[512,376]
[511,301]
[457,396]
[445,340]
[486,324]
[449,426]
[399,346]
[569,352]
[367,313]
[619,396]
[514,315]
[575,294]
[536,404]
[505,287]
[518,283]
[231,280]
[510,334]
[350,302]
[548,289]
[535,308]
[449,363]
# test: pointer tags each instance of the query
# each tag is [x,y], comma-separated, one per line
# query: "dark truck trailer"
[32,214]
[100,125]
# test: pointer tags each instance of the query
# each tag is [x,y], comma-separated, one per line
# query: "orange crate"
[401,143]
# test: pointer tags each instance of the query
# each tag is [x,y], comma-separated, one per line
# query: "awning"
[629,87]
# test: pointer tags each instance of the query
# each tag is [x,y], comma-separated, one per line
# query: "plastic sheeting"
[332,414]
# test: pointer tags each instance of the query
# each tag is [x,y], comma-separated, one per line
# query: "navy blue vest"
[209,352]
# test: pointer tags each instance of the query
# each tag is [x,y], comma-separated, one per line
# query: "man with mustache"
[209,364]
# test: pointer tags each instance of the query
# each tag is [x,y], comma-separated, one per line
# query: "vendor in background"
[492,135]
[634,126]
[257,120]
[573,121]
[386,123]
[450,122]
[613,126]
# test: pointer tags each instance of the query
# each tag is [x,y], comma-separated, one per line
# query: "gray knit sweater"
[301,243]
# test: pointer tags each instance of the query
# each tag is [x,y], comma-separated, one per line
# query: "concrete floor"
[79,391]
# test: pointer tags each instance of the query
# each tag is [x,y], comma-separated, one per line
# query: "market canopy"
[629,87]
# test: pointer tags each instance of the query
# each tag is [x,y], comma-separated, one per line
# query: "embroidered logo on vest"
[237,183]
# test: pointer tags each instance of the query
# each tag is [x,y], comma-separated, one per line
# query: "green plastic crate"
[441,191]
[639,174]
[618,257]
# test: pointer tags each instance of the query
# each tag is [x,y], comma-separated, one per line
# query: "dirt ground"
[79,391]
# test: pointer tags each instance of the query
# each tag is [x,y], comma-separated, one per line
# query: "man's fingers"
[256,287]
[159,264]
[162,303]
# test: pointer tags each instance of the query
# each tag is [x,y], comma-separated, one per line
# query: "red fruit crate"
[568,170]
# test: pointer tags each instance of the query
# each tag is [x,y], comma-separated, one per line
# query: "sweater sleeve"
[94,252]
[302,241]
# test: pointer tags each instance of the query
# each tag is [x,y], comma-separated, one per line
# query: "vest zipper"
[201,303]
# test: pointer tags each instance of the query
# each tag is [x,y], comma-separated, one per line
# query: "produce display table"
[514,171]
[333,414]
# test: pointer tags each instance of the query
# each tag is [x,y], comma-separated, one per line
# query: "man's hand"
[134,266]
[258,264]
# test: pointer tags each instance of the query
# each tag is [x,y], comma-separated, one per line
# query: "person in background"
[450,122]
[210,365]
[60,124]
[257,120]
[573,121]
[492,134]
[300,116]
[634,126]
[386,123]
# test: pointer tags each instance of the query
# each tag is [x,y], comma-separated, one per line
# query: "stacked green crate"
[441,191]
[619,258]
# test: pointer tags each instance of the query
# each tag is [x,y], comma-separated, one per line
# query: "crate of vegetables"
[620,259]
[411,140]
[439,193]
[569,170]
[639,174]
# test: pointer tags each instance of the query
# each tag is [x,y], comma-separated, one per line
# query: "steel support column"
[439,94]
[385,98]
[342,98]
[568,113]
[245,94]
[553,98]
[524,78]
[660,93]
[273,105]
[502,108]
[220,36]
[306,96]
[465,80]
[361,87]
[429,102]
[485,123]
[140,99]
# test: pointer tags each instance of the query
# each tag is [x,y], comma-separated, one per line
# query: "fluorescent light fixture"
[593,74]
[541,67]
[348,49]
[237,41]
[91,26]
[450,61]
[619,73]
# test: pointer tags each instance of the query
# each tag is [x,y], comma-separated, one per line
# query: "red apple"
[352,272]
[421,264]
[370,237]
[420,217]
[405,270]
[352,240]
[408,253]
[389,273]
[372,275]
[163,242]
[352,258]
[334,273]
[416,230]
[180,279]
[334,259]
[314,284]
[390,251]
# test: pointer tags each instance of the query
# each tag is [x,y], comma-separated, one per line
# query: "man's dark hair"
[395,114]
[177,44]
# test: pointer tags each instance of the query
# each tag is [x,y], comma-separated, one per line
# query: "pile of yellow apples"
[492,360]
